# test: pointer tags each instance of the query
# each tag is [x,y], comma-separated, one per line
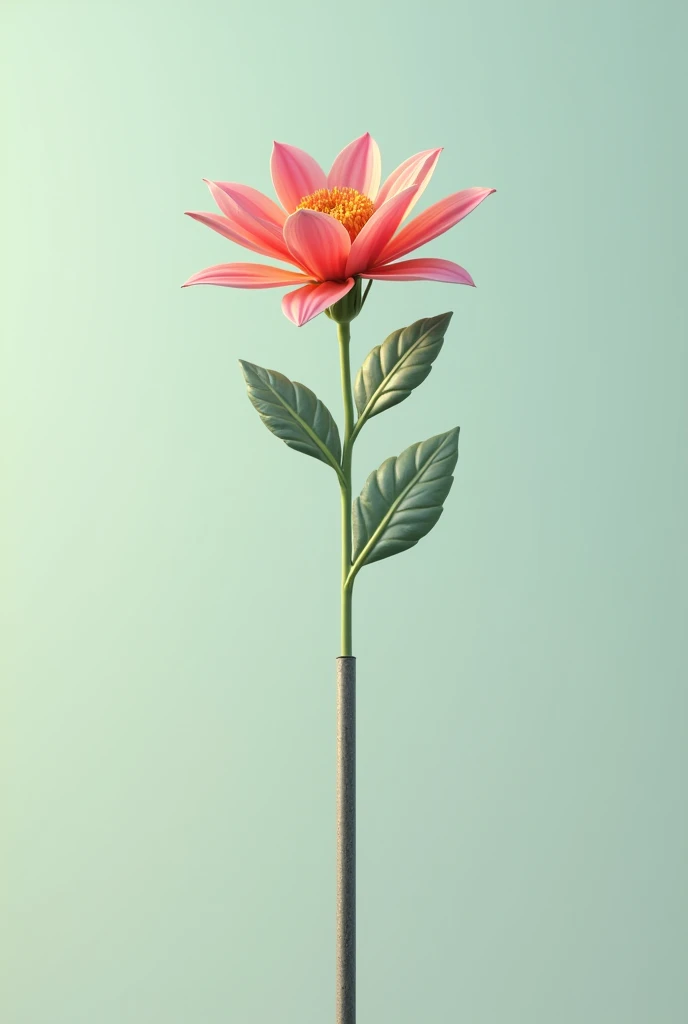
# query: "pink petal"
[245,275]
[295,174]
[254,202]
[358,166]
[319,242]
[230,229]
[305,303]
[417,170]
[421,270]
[434,221]
[242,213]
[374,236]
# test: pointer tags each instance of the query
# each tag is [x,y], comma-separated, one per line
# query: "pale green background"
[170,595]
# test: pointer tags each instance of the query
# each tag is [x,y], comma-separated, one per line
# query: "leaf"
[402,500]
[293,413]
[393,369]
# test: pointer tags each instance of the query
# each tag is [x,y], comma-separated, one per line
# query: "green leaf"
[393,369]
[402,500]
[293,413]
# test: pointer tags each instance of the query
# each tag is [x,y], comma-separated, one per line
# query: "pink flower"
[334,228]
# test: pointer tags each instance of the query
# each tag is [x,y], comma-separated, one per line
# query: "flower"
[334,228]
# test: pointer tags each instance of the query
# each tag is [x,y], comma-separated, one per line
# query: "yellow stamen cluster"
[349,207]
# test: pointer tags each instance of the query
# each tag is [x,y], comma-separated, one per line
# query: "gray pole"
[346,842]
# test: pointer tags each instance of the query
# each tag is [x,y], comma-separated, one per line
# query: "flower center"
[349,207]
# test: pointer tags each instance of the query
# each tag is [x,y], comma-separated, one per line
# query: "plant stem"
[345,1001]
[344,335]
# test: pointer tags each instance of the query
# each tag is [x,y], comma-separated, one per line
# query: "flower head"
[334,228]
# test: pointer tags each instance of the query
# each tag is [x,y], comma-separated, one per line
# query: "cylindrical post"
[346,842]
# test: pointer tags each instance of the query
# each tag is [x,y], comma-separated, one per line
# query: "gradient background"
[171,581]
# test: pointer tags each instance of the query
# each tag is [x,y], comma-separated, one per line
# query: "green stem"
[344,335]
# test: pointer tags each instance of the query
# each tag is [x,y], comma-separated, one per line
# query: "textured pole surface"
[346,842]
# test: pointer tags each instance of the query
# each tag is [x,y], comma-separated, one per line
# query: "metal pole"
[346,842]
